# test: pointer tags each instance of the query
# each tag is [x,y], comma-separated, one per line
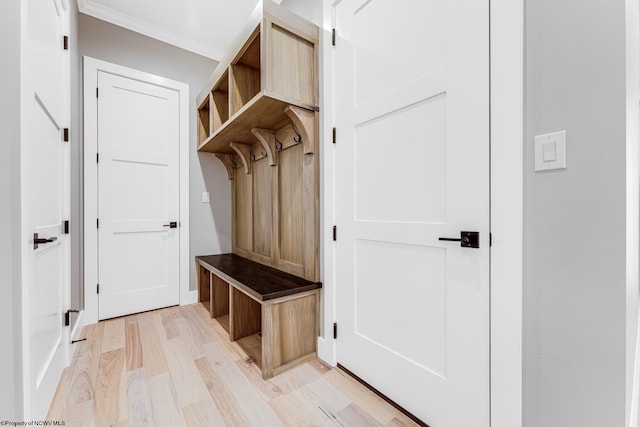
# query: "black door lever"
[468,239]
[172,224]
[38,241]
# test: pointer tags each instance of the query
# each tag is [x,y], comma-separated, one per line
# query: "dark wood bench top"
[262,282]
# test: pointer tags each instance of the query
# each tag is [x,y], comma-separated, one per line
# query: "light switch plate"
[550,151]
[206,197]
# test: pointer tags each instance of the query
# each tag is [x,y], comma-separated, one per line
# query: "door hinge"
[490,239]
[97,157]
[334,135]
[97,222]
[335,331]
[65,42]
[67,317]
[97,94]
[98,288]
[65,134]
[66,227]
[335,233]
[333,37]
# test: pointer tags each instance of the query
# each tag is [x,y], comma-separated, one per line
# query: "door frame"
[91,67]
[506,265]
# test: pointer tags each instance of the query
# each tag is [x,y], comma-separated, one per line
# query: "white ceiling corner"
[205,27]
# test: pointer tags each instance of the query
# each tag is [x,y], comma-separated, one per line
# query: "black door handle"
[39,241]
[468,239]
[172,224]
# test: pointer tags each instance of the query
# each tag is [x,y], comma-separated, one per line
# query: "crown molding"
[89,7]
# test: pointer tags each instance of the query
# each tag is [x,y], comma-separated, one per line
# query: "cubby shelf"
[264,111]
[259,116]
[273,66]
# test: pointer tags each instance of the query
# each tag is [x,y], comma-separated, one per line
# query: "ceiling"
[206,27]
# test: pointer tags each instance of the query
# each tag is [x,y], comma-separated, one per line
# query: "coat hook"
[278,144]
[298,138]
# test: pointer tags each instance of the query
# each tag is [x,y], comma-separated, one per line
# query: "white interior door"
[412,161]
[45,194]
[138,196]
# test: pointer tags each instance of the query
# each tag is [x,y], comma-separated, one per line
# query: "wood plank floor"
[176,367]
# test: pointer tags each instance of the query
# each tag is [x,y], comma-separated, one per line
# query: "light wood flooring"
[176,367]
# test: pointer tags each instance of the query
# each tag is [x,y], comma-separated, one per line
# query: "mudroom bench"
[272,315]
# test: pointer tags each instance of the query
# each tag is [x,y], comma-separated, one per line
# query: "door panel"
[46,207]
[137,196]
[412,111]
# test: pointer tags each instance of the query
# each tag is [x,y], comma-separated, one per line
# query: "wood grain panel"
[203,120]
[296,323]
[85,371]
[203,286]
[184,374]
[228,407]
[245,84]
[113,336]
[243,213]
[140,412]
[219,387]
[152,353]
[164,402]
[111,388]
[220,302]
[202,414]
[168,317]
[133,347]
[292,65]
[290,205]
[220,102]
[249,55]
[245,315]
[262,207]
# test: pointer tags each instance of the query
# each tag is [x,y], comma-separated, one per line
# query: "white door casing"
[147,186]
[412,112]
[45,201]
[138,196]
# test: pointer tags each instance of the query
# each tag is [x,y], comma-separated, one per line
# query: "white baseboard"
[189,298]
[327,351]
[77,327]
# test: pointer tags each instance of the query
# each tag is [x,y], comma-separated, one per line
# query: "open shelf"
[204,115]
[245,74]
[220,99]
[264,111]
[252,345]
[224,322]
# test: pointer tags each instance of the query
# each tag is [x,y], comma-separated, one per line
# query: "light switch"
[206,197]
[550,151]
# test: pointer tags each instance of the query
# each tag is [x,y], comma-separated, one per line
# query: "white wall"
[210,224]
[10,267]
[311,10]
[575,232]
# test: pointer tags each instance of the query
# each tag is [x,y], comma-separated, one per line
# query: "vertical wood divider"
[268,340]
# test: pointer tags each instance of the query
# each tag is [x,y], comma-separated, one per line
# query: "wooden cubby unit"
[269,143]
[263,104]
[204,120]
[220,101]
[271,315]
[245,72]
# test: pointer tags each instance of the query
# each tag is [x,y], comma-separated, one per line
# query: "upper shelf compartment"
[274,64]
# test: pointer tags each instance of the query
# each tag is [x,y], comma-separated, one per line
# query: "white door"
[138,196]
[45,194]
[412,159]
